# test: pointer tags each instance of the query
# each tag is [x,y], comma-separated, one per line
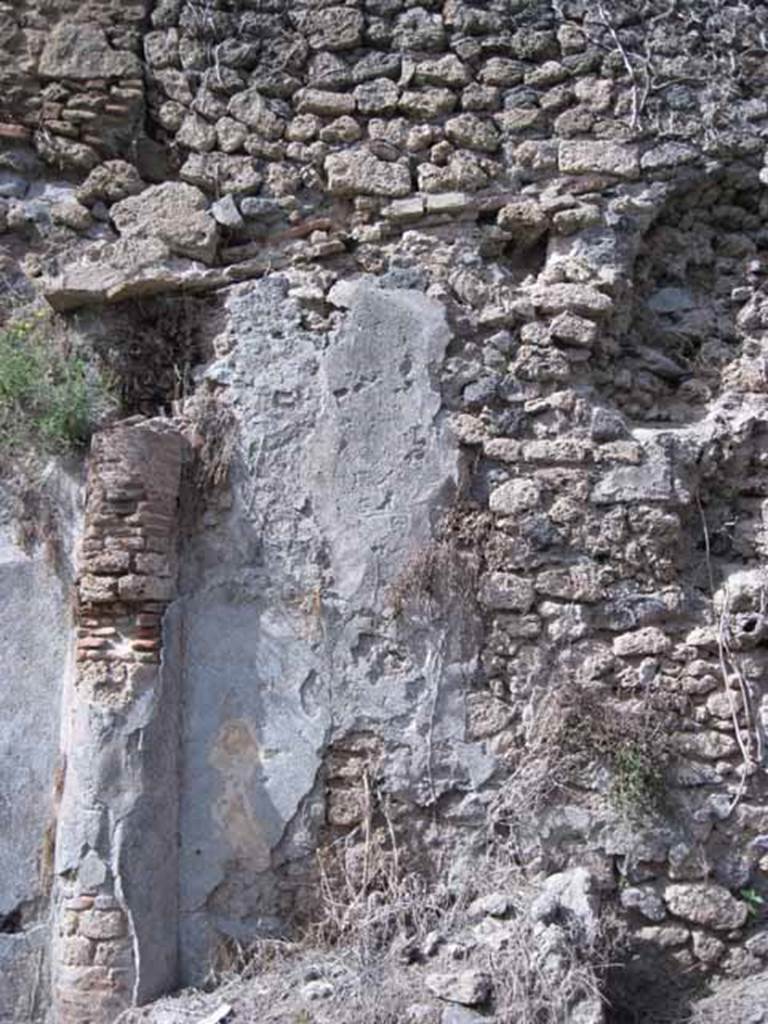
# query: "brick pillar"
[115,925]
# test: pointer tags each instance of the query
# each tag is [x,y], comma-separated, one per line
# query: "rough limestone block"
[80,50]
[525,220]
[506,591]
[379,96]
[648,641]
[569,451]
[196,133]
[519,119]
[581,299]
[448,202]
[707,948]
[705,746]
[470,987]
[472,132]
[515,496]
[574,330]
[111,271]
[467,429]
[569,896]
[706,904]
[599,157]
[145,588]
[333,28]
[651,481]
[503,449]
[174,212]
[448,71]
[97,589]
[666,936]
[108,563]
[418,30]
[102,924]
[77,950]
[645,901]
[575,583]
[111,181]
[358,172]
[252,109]
[502,71]
[405,209]
[226,213]
[668,155]
[486,715]
[427,104]
[327,104]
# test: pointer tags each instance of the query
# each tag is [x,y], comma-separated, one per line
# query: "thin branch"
[725,656]
[627,62]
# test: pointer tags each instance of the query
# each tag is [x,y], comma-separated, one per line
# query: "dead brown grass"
[445,569]
[213,433]
[381,926]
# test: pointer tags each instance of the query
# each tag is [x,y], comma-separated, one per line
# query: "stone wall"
[72,80]
[514,260]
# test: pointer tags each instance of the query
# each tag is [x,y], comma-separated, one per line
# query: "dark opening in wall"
[150,347]
[520,262]
[11,923]
[648,986]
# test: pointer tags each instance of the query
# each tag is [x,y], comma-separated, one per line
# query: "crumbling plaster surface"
[35,634]
[344,462]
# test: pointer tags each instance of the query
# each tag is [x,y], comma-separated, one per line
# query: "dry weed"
[574,733]
[382,926]
[214,435]
[447,568]
[539,976]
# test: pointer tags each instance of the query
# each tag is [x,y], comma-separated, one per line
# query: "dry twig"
[730,669]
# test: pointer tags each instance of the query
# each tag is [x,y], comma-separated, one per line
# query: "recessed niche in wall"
[705,242]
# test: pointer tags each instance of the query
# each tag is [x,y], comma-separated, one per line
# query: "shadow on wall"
[149,348]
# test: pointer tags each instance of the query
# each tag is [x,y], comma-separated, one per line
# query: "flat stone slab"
[128,268]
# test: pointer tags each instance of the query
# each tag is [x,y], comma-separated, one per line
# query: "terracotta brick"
[145,645]
[78,903]
[91,643]
[146,633]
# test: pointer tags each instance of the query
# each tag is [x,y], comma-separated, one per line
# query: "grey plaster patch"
[34,640]
[342,467]
[24,975]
